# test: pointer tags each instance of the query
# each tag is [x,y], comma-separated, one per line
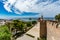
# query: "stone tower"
[43,28]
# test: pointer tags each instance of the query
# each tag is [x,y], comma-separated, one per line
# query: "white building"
[2,22]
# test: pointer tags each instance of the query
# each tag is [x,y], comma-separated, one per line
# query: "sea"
[32,19]
[49,18]
[35,19]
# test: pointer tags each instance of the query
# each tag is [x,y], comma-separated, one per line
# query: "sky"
[29,8]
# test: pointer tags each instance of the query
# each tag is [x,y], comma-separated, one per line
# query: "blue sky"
[29,8]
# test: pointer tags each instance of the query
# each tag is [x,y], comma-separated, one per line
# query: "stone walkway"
[34,32]
[25,37]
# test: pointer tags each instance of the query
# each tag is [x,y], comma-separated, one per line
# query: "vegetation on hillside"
[19,27]
[14,29]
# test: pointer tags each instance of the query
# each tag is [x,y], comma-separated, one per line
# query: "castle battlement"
[49,29]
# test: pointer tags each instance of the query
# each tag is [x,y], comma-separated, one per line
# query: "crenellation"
[52,23]
[48,28]
[53,30]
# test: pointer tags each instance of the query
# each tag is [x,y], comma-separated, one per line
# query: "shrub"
[4,33]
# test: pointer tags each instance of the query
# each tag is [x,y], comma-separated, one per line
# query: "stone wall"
[48,28]
[43,29]
[53,30]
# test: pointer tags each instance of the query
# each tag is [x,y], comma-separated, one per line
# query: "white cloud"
[7,8]
[31,6]
[8,4]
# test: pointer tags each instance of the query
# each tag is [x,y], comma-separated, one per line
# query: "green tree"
[29,24]
[57,17]
[19,25]
[34,22]
[30,18]
[4,33]
[9,25]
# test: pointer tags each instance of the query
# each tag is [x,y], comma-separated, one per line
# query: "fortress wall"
[53,33]
[49,29]
[43,29]
[52,24]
